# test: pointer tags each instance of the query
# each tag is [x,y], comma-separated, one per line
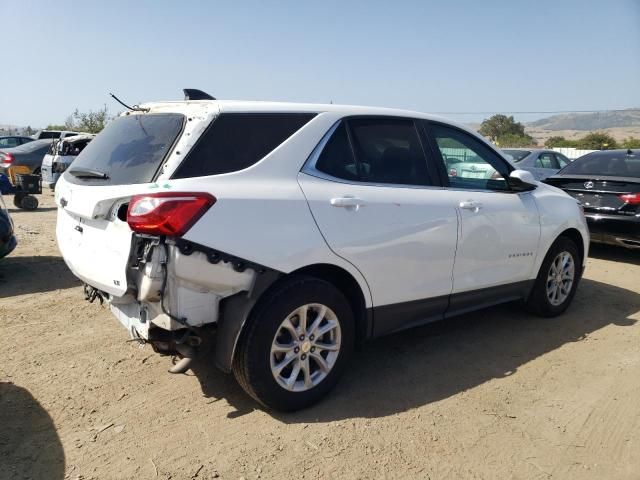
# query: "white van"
[41,134]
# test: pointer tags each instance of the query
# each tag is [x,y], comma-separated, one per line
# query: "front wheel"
[296,344]
[557,279]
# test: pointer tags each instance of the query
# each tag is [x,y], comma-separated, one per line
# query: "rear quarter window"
[235,141]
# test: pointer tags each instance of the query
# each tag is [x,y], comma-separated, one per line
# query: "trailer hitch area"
[91,294]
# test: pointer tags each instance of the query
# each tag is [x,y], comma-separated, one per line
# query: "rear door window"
[375,150]
[337,157]
[389,151]
[235,141]
[129,150]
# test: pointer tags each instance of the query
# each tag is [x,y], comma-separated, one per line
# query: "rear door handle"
[347,202]
[471,205]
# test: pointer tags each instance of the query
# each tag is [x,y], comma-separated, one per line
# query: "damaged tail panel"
[178,285]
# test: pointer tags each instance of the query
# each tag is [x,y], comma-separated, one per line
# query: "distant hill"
[588,121]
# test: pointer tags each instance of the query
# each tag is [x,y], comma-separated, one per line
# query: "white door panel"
[499,235]
[402,239]
[499,228]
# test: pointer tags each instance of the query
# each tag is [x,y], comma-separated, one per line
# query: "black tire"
[17,199]
[29,202]
[539,302]
[252,360]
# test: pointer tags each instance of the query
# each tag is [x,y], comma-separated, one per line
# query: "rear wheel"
[557,279]
[296,344]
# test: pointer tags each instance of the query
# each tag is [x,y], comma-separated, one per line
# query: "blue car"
[7,238]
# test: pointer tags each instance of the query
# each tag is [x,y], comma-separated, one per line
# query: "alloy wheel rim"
[560,278]
[305,347]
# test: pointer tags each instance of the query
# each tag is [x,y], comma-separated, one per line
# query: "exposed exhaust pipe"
[187,350]
[188,353]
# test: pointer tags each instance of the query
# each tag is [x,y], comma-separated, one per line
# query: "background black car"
[29,155]
[7,239]
[607,184]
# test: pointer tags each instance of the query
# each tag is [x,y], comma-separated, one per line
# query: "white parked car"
[60,155]
[41,134]
[299,231]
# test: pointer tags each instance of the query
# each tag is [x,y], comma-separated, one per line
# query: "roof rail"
[195,94]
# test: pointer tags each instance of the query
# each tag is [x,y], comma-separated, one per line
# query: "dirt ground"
[495,394]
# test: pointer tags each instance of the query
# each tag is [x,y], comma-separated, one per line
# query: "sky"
[431,56]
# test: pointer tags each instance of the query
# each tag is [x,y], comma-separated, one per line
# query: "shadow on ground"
[13,211]
[614,254]
[29,444]
[26,275]
[430,363]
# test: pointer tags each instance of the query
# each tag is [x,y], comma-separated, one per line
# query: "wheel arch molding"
[236,310]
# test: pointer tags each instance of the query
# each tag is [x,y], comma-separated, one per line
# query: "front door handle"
[347,202]
[471,205]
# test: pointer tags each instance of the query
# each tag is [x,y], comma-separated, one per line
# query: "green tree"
[597,141]
[91,121]
[513,140]
[29,130]
[53,126]
[558,141]
[631,142]
[69,123]
[500,125]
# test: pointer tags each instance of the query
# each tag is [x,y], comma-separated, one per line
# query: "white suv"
[299,231]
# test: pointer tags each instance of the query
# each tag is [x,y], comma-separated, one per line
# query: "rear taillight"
[167,213]
[453,172]
[630,198]
[6,160]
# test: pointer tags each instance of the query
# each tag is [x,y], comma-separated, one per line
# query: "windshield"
[613,164]
[517,155]
[129,150]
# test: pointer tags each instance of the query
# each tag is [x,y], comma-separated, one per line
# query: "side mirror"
[522,181]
